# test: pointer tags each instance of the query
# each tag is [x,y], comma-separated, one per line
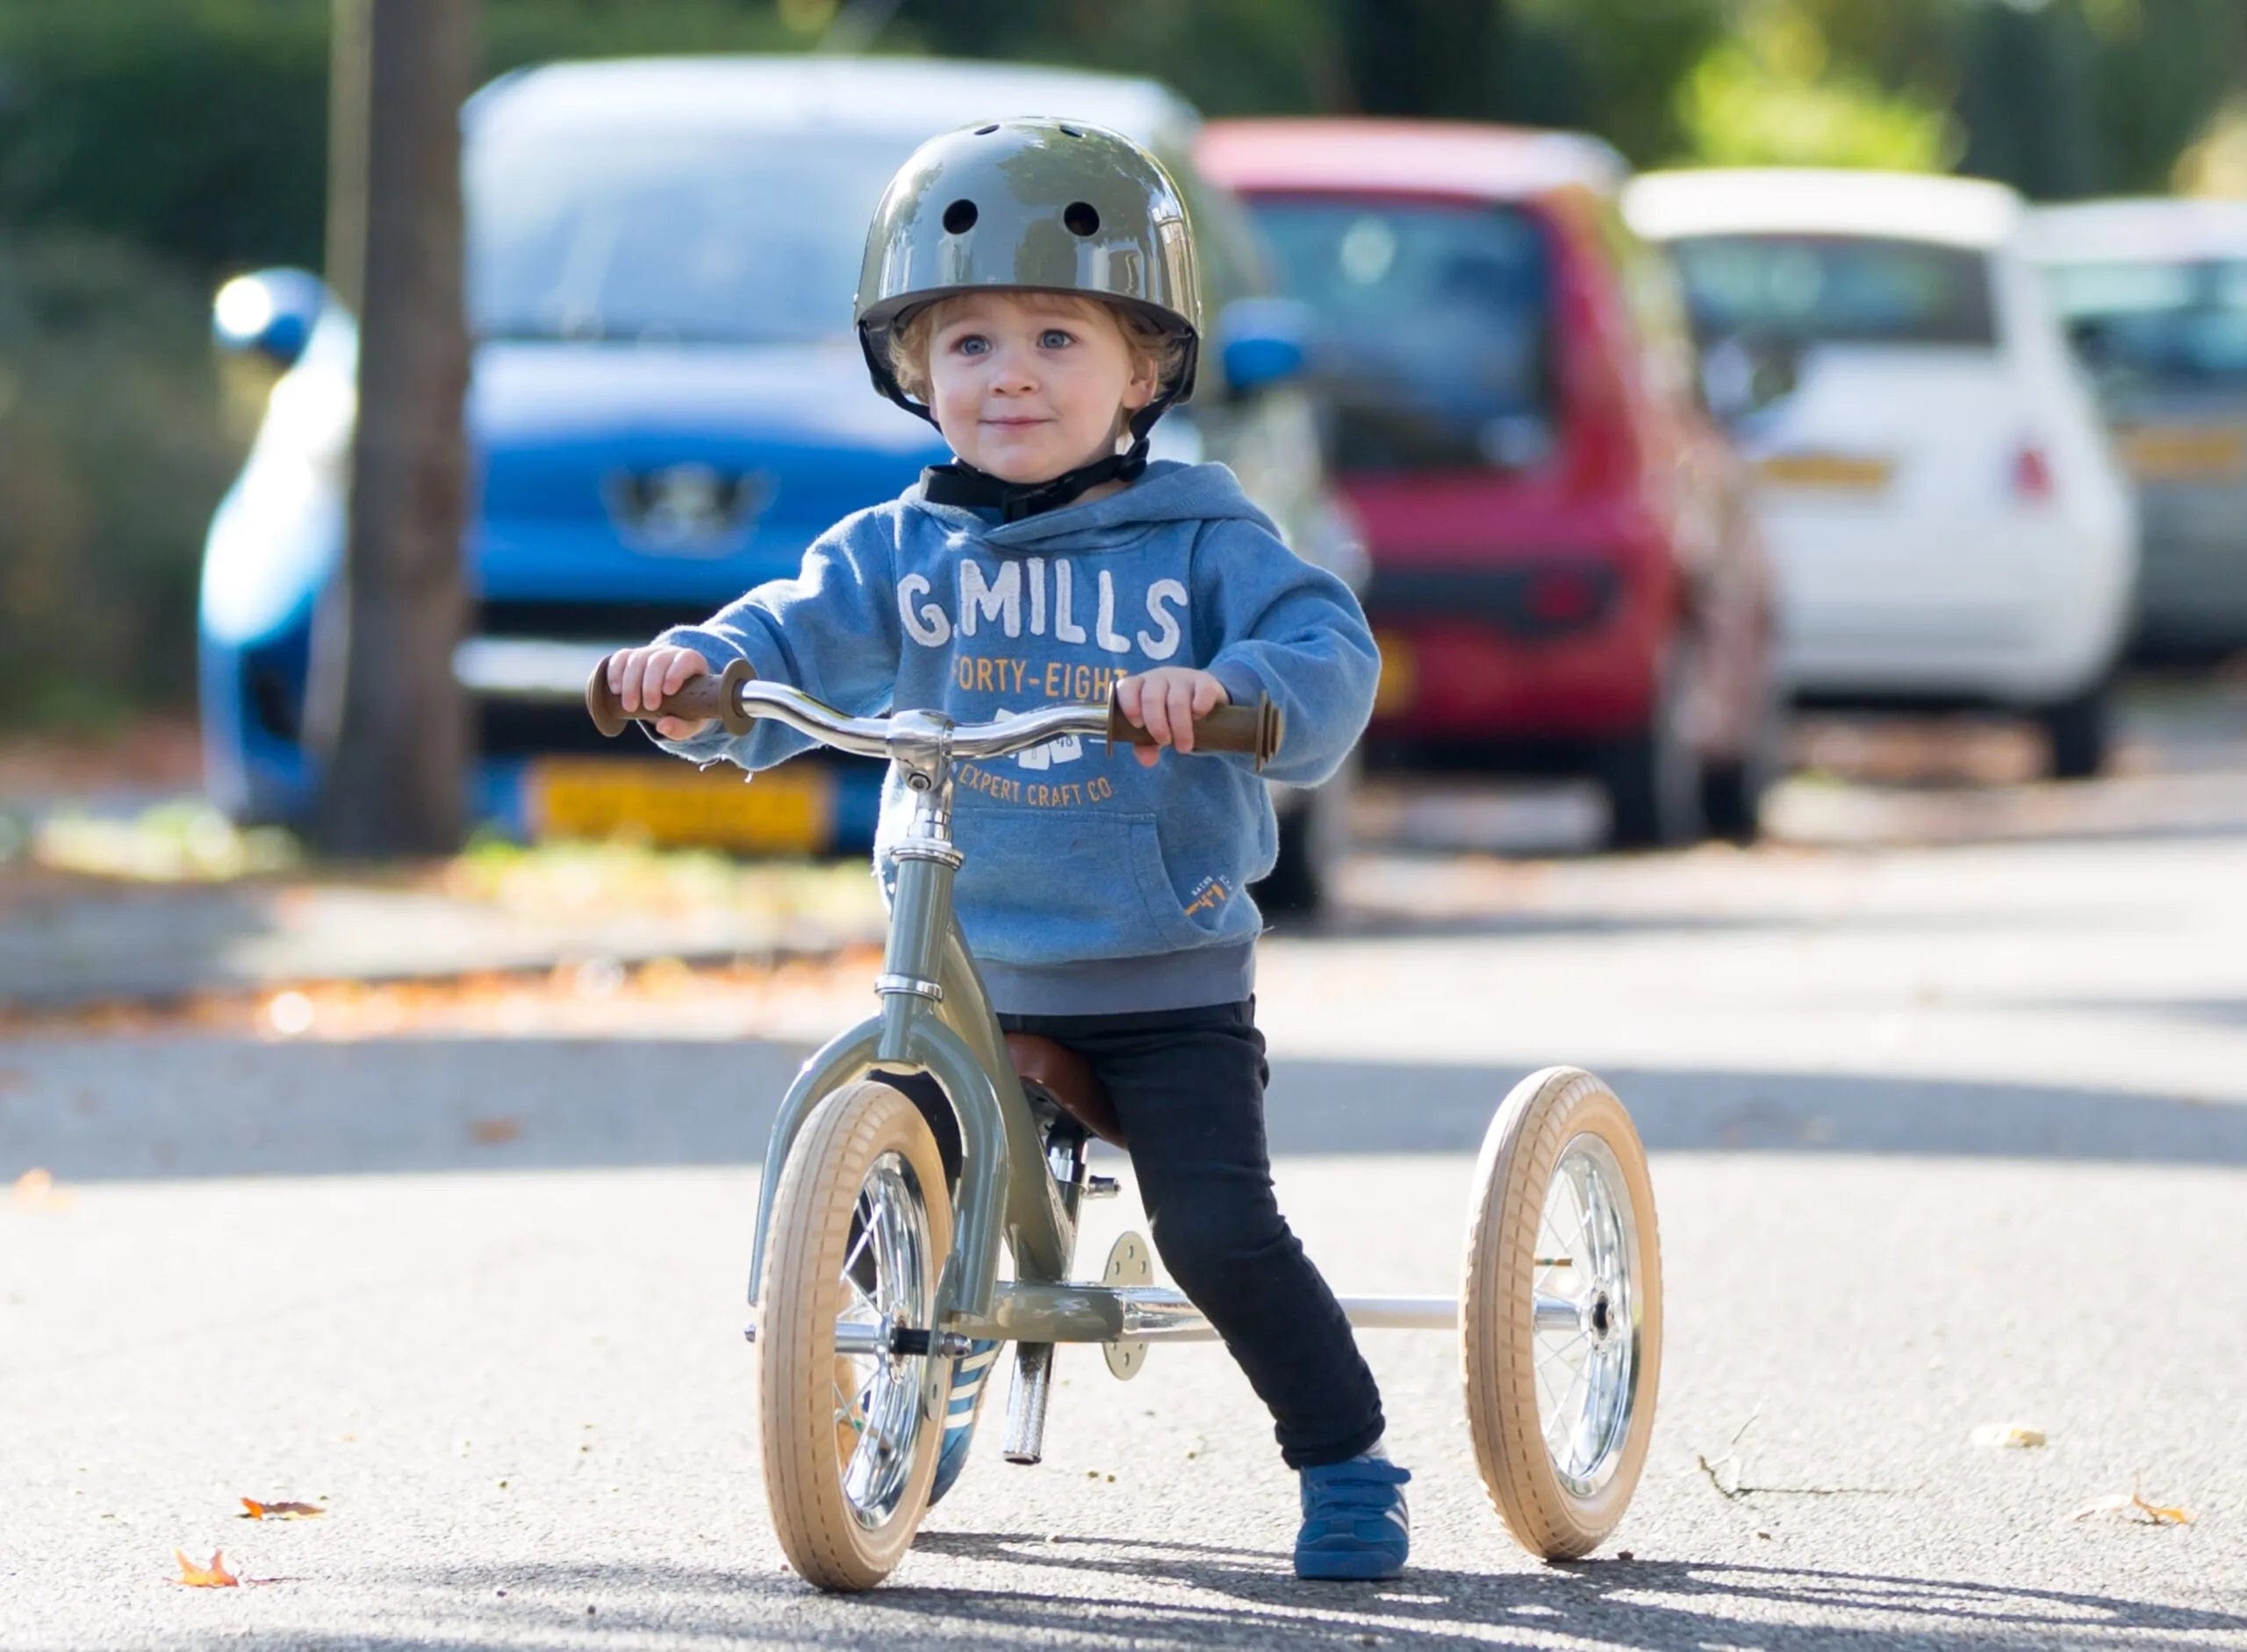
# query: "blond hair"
[1154,347]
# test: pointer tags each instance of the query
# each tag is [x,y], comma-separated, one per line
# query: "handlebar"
[737,699]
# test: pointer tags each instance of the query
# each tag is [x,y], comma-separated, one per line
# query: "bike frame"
[935,1019]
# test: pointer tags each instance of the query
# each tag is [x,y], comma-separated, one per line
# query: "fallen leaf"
[2133,1504]
[490,1131]
[252,1510]
[2160,1514]
[215,1575]
[2009,1436]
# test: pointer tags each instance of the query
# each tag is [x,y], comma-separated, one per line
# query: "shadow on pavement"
[66,940]
[127,1109]
[1373,923]
[1248,1599]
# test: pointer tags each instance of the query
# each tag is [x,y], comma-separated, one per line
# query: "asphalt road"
[1949,1128]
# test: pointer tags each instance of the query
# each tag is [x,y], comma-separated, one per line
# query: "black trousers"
[1187,1087]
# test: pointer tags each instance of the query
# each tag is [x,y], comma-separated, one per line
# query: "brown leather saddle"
[1068,1077]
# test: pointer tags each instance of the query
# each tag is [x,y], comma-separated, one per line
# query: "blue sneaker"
[966,1400]
[1354,1524]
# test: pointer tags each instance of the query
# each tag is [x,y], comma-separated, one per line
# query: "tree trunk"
[386,717]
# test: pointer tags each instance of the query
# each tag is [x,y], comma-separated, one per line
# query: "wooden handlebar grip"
[1256,730]
[704,696]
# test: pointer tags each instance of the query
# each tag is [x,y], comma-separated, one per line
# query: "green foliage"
[199,127]
[111,458]
[194,126]
[1229,57]
[1610,66]
[2162,74]
[1774,97]
[147,146]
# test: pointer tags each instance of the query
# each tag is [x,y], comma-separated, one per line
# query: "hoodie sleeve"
[830,631]
[1292,631]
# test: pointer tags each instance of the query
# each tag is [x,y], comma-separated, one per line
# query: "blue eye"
[972,344]
[1054,339]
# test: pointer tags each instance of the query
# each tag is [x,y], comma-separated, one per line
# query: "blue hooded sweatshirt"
[1091,886]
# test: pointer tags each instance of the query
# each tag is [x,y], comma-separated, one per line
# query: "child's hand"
[1165,702]
[642,677]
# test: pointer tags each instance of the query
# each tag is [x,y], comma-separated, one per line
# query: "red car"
[1566,571]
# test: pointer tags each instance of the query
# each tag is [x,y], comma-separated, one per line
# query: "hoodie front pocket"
[1042,886]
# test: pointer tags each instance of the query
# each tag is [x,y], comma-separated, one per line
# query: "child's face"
[1026,386]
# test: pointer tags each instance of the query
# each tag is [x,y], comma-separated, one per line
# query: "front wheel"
[1560,1312]
[860,1226]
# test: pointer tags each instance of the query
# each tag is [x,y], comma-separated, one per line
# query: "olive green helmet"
[1030,202]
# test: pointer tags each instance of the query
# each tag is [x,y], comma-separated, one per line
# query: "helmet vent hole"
[1072,132]
[984,132]
[959,217]
[1080,219]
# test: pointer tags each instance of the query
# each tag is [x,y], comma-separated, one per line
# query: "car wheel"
[2080,732]
[1313,836]
[1654,779]
[1732,791]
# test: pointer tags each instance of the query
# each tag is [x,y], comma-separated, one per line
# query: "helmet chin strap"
[960,482]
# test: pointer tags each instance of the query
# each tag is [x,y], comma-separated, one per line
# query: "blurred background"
[1633,471]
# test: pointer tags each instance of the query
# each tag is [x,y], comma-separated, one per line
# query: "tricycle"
[874,1266]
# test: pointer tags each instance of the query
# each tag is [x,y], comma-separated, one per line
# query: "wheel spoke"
[875,1401]
[857,1245]
[1582,1377]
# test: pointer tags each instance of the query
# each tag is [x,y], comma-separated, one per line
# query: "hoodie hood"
[1168,491]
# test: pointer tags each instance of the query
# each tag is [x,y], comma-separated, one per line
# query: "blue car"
[667,405]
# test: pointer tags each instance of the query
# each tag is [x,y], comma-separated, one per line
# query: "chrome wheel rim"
[1587,1372]
[877,1397]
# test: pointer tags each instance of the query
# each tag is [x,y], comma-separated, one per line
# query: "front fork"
[935,1019]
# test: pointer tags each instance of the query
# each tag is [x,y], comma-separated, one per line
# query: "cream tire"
[860,1227]
[1561,1411]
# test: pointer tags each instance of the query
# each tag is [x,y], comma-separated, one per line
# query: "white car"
[2153,293]
[1950,526]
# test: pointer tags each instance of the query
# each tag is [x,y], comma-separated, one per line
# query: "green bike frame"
[935,1019]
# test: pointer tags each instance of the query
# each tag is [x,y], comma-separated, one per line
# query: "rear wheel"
[2080,730]
[860,1227]
[1560,1312]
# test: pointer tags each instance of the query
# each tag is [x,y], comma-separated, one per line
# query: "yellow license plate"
[786,810]
[1840,472]
[1399,683]
[2185,453]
